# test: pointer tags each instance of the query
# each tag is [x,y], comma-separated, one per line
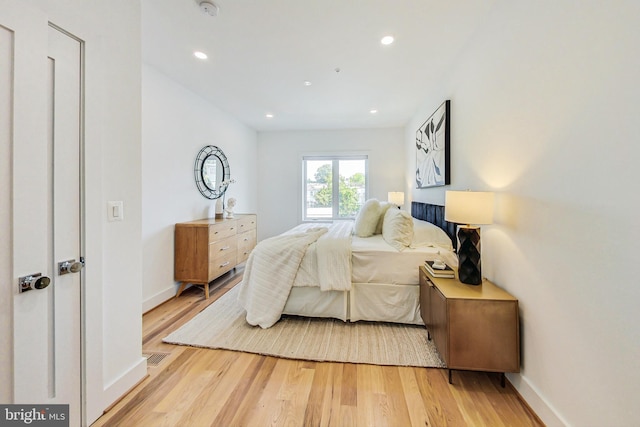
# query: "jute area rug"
[222,325]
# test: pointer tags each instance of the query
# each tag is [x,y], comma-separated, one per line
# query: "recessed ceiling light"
[373,111]
[386,40]
[200,55]
[307,83]
[269,116]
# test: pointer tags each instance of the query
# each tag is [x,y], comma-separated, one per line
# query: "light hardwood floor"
[203,387]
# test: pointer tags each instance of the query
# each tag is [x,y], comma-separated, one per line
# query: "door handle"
[33,281]
[70,266]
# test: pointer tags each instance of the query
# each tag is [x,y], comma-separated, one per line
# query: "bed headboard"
[435,215]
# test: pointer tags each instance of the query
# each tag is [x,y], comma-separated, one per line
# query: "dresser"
[473,327]
[207,248]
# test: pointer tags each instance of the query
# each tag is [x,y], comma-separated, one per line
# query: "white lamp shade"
[396,198]
[469,207]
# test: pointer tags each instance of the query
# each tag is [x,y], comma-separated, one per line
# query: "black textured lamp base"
[469,268]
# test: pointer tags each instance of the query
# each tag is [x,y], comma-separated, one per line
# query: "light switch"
[115,210]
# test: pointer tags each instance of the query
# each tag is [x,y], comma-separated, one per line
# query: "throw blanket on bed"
[269,275]
[333,251]
[327,263]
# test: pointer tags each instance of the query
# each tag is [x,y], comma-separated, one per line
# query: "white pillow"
[384,207]
[367,219]
[427,234]
[397,228]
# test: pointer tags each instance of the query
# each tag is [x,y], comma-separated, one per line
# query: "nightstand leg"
[206,291]
[502,380]
[450,380]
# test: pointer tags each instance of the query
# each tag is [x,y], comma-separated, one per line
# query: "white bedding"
[383,285]
[375,261]
[273,265]
[269,275]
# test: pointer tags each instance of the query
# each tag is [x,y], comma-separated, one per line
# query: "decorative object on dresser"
[207,248]
[432,149]
[229,209]
[396,198]
[469,207]
[474,328]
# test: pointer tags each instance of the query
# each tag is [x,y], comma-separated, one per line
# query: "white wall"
[280,168]
[176,124]
[112,294]
[545,103]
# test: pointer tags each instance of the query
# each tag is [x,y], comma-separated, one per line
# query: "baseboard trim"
[151,303]
[536,402]
[123,385]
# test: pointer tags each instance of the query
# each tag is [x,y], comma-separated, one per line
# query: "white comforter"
[273,267]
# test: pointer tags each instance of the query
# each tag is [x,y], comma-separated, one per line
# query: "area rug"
[222,325]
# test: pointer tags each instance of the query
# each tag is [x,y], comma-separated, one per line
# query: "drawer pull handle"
[246,239]
[225,248]
[225,264]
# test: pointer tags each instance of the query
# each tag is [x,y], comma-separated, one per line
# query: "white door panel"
[65,141]
[45,214]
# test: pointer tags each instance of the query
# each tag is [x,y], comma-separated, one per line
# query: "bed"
[381,283]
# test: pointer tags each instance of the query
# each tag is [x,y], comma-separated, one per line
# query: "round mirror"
[211,172]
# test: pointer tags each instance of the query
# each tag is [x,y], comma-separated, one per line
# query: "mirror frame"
[198,169]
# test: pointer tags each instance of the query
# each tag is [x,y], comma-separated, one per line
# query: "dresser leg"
[502,380]
[206,291]
[182,286]
[450,380]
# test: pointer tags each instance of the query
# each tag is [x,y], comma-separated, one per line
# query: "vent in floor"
[154,359]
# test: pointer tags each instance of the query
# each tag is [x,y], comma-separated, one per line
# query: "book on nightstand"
[446,272]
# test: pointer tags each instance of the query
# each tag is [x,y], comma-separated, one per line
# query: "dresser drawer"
[222,230]
[246,242]
[222,247]
[246,223]
[221,265]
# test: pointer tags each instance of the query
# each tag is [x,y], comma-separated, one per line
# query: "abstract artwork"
[432,149]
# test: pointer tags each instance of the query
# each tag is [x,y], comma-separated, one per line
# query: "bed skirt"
[377,302]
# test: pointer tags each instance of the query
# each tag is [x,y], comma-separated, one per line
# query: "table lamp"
[466,208]
[396,198]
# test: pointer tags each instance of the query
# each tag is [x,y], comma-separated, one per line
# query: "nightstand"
[474,328]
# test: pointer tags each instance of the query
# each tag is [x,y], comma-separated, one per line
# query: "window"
[335,187]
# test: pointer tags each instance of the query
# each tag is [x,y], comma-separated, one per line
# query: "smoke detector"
[209,8]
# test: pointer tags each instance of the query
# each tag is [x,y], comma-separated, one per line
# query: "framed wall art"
[433,149]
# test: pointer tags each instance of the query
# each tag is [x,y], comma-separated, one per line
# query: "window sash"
[335,183]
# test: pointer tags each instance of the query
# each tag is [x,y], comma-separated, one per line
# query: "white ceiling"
[261,52]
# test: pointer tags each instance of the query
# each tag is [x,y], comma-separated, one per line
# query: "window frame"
[335,183]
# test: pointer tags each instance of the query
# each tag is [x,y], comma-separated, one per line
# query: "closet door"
[41,122]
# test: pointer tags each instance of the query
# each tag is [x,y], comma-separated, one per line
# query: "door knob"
[70,266]
[33,281]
